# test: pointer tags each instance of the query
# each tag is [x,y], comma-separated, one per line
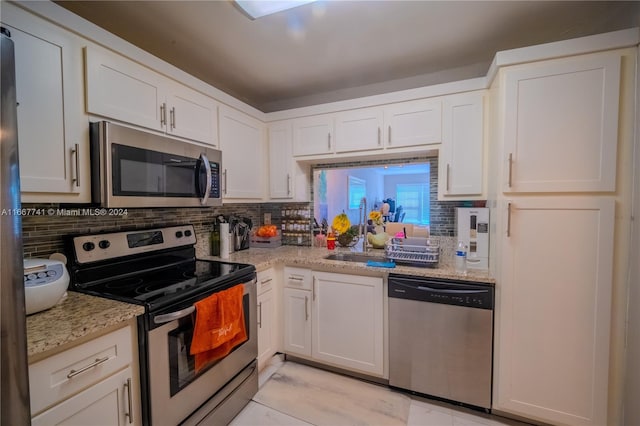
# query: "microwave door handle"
[207,189]
[172,316]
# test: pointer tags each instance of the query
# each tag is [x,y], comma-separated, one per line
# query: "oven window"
[182,369]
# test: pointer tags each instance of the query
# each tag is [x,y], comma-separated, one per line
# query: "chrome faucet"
[362,226]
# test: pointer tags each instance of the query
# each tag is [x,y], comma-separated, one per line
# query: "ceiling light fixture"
[258,8]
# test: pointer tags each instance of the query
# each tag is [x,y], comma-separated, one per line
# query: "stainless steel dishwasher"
[441,338]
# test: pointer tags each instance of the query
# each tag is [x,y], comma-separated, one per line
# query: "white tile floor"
[422,412]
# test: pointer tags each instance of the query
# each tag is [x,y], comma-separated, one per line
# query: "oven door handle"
[164,318]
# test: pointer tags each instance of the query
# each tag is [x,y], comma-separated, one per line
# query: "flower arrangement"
[376,218]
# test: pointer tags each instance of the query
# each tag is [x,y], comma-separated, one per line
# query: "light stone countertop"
[76,317]
[312,257]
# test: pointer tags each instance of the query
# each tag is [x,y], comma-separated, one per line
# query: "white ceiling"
[335,50]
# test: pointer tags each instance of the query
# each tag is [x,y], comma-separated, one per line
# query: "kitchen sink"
[355,257]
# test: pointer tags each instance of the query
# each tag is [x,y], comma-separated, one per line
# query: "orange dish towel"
[219,326]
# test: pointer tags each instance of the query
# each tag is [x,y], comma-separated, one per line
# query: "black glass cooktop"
[160,285]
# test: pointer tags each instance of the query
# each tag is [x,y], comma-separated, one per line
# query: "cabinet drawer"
[64,374]
[265,280]
[297,278]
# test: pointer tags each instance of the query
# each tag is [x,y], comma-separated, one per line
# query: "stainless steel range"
[157,268]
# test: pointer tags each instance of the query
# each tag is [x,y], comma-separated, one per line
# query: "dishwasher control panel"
[449,292]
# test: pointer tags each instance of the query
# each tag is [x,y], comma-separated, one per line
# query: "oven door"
[175,388]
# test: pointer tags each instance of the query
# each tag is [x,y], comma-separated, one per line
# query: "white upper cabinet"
[123,90]
[461,159]
[359,130]
[313,135]
[555,110]
[192,115]
[53,130]
[413,123]
[281,170]
[243,155]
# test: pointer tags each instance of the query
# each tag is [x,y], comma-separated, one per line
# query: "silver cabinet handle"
[329,141]
[448,167]
[508,219]
[295,278]
[306,308]
[161,319]
[76,154]
[224,174]
[129,414]
[260,315]
[379,137]
[288,184]
[172,116]
[313,289]
[163,114]
[268,280]
[389,136]
[510,168]
[97,362]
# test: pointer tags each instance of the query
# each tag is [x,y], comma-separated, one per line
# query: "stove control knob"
[104,244]
[187,233]
[88,246]
[178,234]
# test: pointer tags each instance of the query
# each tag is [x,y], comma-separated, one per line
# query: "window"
[357,189]
[414,199]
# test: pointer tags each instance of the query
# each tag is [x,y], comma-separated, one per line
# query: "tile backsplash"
[43,235]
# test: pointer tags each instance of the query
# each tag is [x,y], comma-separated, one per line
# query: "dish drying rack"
[413,250]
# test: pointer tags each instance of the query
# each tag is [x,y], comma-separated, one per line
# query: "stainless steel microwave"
[133,168]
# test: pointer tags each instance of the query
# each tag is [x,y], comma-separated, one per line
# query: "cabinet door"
[106,403]
[460,162]
[554,308]
[52,127]
[266,327]
[192,115]
[413,123]
[348,321]
[313,135]
[359,130]
[243,155]
[297,321]
[281,171]
[120,89]
[561,125]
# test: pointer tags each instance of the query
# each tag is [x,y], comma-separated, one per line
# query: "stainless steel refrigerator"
[14,408]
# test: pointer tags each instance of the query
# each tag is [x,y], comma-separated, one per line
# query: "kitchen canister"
[225,241]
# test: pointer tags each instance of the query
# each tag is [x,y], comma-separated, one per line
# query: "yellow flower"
[376,217]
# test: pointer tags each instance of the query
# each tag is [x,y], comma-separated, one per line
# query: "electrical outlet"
[267,218]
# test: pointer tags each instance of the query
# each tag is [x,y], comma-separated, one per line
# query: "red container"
[331,242]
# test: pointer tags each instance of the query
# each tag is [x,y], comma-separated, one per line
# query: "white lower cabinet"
[105,403]
[553,309]
[338,321]
[297,321]
[347,321]
[267,319]
[94,383]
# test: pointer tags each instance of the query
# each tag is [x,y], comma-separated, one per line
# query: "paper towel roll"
[224,240]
